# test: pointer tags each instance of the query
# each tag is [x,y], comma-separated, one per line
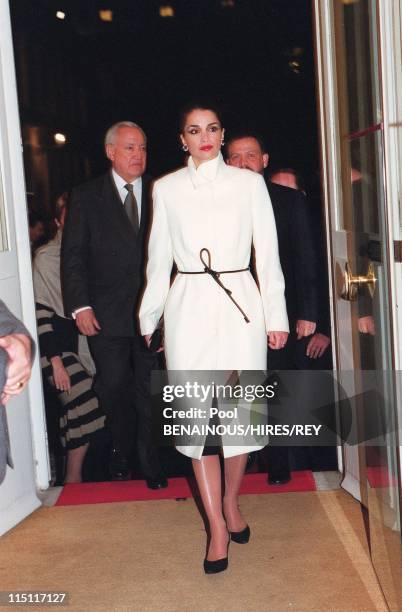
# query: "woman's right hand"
[277,339]
[60,375]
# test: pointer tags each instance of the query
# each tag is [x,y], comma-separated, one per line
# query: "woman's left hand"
[147,339]
[61,377]
[277,339]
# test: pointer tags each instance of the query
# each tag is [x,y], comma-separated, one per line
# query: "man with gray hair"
[102,274]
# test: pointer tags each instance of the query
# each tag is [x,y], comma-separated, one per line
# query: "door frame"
[26,412]
[326,94]
[389,15]
[389,36]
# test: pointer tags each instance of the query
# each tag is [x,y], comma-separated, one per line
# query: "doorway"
[357,75]
[358,46]
[257,61]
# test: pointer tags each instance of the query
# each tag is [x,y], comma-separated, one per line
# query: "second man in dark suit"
[299,265]
[102,273]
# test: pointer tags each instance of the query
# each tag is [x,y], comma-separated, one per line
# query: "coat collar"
[206,172]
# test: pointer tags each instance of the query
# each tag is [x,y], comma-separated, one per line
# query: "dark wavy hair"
[197,105]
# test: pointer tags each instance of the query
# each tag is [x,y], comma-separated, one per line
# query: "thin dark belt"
[215,275]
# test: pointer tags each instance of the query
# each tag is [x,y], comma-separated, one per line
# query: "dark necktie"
[130,206]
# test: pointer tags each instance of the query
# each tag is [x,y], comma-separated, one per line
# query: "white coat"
[225,210]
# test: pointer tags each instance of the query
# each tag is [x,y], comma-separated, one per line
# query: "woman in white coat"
[221,211]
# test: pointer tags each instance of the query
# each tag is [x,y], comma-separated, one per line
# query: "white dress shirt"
[122,191]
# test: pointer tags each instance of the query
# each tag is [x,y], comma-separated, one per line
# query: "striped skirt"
[81,415]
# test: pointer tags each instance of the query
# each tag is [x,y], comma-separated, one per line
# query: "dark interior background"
[80,74]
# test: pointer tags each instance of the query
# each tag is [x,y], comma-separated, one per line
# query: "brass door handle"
[351,284]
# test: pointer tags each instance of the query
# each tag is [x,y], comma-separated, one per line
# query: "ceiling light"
[106,15]
[60,15]
[297,51]
[166,11]
[295,66]
[60,138]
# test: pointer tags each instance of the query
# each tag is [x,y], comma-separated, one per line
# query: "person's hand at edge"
[18,349]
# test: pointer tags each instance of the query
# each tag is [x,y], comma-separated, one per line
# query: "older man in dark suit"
[102,273]
[15,370]
[299,265]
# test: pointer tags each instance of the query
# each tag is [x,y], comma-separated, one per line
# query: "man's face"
[286,179]
[128,153]
[247,153]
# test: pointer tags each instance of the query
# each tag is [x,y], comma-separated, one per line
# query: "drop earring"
[185,148]
[222,141]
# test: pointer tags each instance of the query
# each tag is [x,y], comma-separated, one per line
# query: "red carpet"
[135,490]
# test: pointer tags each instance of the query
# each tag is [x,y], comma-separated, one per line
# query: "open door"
[357,41]
[25,413]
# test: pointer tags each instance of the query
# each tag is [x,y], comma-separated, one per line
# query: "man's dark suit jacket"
[102,259]
[297,252]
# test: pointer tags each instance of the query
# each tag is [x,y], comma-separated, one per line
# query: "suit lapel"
[277,208]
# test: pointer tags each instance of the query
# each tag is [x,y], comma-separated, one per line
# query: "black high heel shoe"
[214,567]
[219,565]
[240,537]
